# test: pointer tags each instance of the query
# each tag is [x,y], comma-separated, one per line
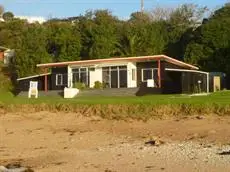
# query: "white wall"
[131,83]
[70,77]
[95,76]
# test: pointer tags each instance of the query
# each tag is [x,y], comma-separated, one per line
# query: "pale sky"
[68,8]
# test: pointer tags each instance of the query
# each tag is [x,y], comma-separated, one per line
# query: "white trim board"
[185,70]
[34,76]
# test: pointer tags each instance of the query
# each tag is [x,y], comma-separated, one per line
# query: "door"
[114,79]
[123,79]
[216,83]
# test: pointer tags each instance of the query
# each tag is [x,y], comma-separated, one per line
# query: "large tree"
[63,42]
[31,51]
[181,23]
[99,35]
[210,47]
[142,36]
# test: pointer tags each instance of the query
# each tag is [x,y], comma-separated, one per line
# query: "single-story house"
[157,74]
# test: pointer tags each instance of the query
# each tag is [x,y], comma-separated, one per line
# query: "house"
[151,74]
[6,55]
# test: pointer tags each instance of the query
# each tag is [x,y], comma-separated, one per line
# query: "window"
[133,74]
[148,74]
[59,79]
[80,75]
[92,69]
[115,76]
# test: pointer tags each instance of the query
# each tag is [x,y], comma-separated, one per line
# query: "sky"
[67,8]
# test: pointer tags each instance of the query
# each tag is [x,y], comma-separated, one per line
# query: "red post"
[46,81]
[159,73]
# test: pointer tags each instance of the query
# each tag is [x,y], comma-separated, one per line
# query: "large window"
[150,73]
[115,76]
[59,79]
[80,75]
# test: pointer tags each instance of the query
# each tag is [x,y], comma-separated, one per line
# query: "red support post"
[159,73]
[46,81]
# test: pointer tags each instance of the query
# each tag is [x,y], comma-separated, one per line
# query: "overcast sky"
[66,8]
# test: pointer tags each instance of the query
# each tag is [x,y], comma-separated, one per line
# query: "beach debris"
[15,168]
[154,142]
[199,117]
[224,153]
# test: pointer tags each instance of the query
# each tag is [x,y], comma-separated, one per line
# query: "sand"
[49,142]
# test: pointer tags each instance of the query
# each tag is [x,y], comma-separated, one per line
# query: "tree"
[8,16]
[161,13]
[99,35]
[31,51]
[139,38]
[181,24]
[211,43]
[63,42]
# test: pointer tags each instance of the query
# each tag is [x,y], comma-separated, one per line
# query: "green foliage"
[98,85]
[63,41]
[8,16]
[79,85]
[6,84]
[32,50]
[99,34]
[210,46]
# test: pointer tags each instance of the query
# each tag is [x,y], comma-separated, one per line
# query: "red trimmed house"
[152,74]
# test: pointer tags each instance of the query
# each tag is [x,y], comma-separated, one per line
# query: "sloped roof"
[33,76]
[121,59]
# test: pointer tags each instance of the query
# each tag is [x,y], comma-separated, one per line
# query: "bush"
[6,84]
[98,85]
[79,85]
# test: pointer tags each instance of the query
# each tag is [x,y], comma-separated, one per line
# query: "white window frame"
[142,73]
[134,74]
[79,73]
[118,74]
[57,77]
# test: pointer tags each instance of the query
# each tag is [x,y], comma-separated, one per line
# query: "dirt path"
[70,142]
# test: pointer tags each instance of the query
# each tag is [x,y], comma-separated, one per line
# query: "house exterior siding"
[23,85]
[128,72]
[59,71]
[95,75]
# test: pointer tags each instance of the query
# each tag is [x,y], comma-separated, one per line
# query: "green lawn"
[222,98]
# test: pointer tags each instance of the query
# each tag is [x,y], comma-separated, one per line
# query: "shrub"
[79,85]
[6,84]
[98,85]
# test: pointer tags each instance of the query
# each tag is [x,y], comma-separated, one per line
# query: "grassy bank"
[220,98]
[143,108]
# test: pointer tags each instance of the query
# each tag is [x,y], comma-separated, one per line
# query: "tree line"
[184,33]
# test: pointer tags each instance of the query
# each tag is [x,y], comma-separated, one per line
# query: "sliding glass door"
[123,77]
[115,76]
